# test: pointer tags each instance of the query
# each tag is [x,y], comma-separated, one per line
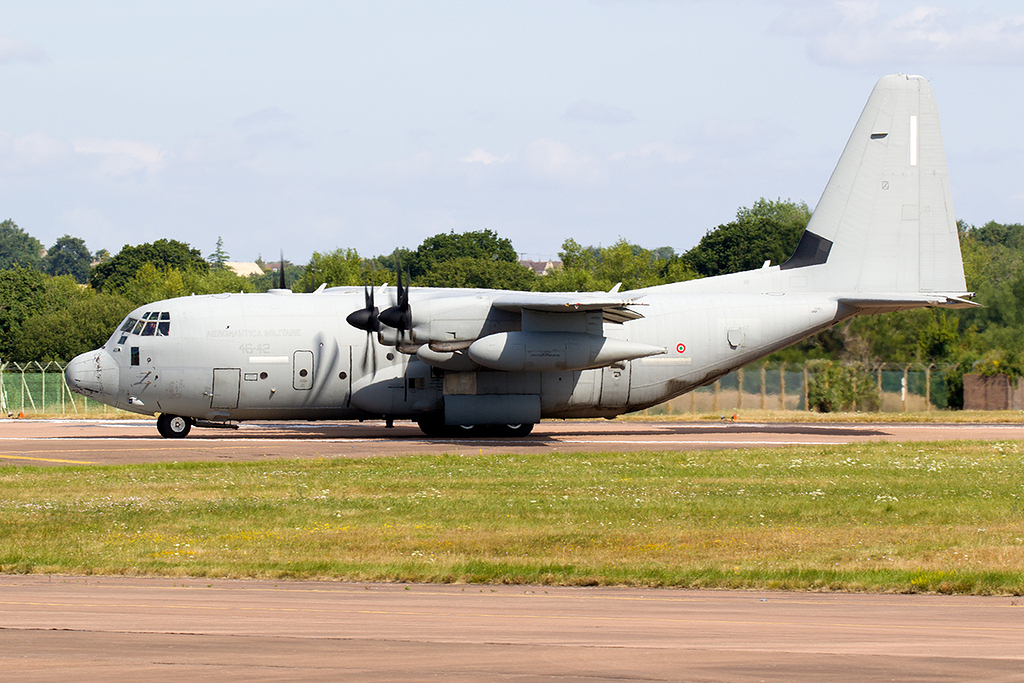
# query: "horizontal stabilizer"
[900,301]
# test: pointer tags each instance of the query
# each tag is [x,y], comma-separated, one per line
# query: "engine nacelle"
[554,351]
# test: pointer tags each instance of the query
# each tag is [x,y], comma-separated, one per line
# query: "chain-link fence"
[39,389]
[888,387]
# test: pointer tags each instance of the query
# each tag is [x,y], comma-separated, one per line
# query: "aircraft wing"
[615,309]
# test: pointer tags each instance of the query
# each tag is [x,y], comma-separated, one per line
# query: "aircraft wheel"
[173,426]
[432,428]
[515,430]
[464,431]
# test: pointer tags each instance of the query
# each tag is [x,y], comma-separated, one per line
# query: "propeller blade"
[282,285]
[398,316]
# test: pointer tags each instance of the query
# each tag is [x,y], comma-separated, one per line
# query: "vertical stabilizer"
[885,222]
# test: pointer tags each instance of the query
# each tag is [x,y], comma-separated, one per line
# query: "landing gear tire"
[518,430]
[432,428]
[173,426]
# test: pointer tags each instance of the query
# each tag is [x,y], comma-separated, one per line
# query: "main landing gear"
[437,429]
[173,426]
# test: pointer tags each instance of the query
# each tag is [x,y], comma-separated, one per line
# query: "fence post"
[880,394]
[782,387]
[928,387]
[903,388]
[739,387]
[718,387]
[807,405]
[764,372]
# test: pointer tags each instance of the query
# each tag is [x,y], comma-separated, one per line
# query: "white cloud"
[482,156]
[264,117]
[860,32]
[555,160]
[664,151]
[419,165]
[38,149]
[13,50]
[123,157]
[35,150]
[594,112]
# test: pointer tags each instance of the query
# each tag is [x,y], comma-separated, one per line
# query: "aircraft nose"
[94,374]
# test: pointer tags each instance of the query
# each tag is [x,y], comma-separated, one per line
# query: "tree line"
[65,300]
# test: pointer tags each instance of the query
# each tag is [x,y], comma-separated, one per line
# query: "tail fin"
[885,222]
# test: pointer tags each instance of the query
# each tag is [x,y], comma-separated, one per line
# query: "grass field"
[868,517]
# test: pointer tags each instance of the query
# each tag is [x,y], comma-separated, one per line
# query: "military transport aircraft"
[463,361]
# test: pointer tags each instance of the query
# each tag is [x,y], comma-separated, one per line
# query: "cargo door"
[225,387]
[615,386]
[302,370]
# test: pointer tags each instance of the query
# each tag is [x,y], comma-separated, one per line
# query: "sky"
[309,126]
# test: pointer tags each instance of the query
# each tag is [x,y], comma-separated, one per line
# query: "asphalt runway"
[98,629]
[111,442]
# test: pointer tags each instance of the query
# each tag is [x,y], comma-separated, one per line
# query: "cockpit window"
[152,324]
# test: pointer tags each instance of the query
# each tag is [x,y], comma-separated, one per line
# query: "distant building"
[541,267]
[244,269]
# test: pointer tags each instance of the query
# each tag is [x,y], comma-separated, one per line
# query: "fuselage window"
[138,327]
[150,329]
[128,325]
[135,355]
[164,328]
[165,316]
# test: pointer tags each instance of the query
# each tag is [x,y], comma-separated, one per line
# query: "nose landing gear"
[173,426]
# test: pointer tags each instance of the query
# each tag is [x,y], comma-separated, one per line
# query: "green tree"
[22,295]
[271,278]
[482,244]
[600,268]
[335,268]
[18,248]
[220,256]
[68,256]
[70,320]
[115,274]
[767,231]
[833,387]
[466,271]
[156,284]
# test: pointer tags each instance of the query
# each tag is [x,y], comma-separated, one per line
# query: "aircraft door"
[615,386]
[225,387]
[302,370]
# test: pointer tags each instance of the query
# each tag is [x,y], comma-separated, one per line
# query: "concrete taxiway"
[95,629]
[108,442]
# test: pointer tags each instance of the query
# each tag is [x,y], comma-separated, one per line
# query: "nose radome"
[94,373]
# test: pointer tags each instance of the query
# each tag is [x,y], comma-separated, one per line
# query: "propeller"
[365,318]
[398,316]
